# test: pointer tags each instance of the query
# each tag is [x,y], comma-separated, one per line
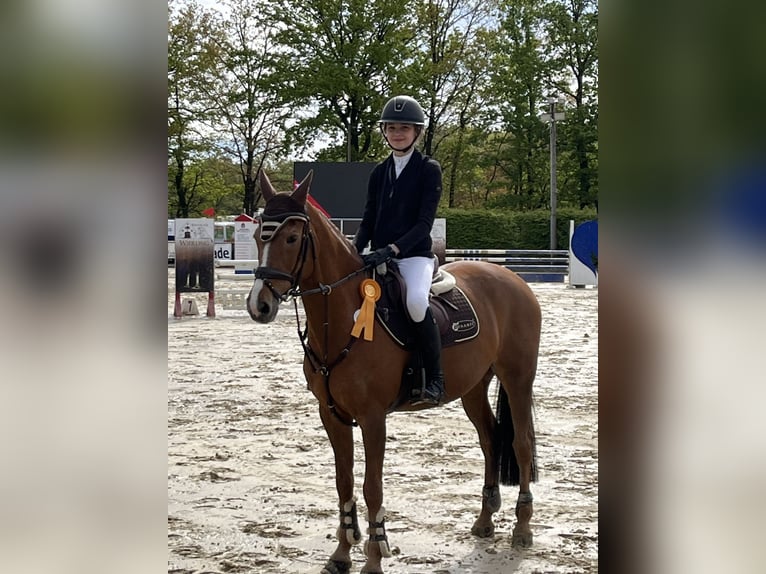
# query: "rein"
[322,366]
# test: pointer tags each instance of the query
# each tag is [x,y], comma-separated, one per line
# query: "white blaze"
[258,285]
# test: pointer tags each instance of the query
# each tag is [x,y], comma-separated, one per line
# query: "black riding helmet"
[402,110]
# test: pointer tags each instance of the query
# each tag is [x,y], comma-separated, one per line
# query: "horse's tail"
[509,466]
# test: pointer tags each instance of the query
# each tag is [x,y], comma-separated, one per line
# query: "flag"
[315,203]
[209,212]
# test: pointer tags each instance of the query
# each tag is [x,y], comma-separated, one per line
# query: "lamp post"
[551,118]
[348,144]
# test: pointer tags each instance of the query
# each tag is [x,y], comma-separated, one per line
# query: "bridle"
[269,225]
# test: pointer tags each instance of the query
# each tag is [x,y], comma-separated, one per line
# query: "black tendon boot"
[429,341]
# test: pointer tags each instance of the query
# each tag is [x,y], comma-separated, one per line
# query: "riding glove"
[378,256]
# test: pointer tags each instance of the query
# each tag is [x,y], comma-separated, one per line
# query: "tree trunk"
[183,205]
[456,159]
[584,172]
[248,206]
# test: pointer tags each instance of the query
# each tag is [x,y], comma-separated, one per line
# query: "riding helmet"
[403,110]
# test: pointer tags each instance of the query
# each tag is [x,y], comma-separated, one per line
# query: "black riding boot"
[429,341]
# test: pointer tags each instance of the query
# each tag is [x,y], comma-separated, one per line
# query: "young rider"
[402,196]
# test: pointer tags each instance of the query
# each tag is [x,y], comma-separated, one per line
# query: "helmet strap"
[402,150]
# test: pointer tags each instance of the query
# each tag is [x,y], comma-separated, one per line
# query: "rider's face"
[400,136]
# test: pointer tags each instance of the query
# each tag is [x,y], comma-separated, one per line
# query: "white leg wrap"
[346,526]
[378,535]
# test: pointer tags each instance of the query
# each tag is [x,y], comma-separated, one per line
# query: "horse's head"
[283,241]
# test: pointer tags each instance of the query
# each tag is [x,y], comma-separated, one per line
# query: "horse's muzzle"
[262,311]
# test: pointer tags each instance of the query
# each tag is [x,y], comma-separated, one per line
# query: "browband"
[270,224]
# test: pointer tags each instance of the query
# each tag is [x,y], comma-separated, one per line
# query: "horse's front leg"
[342,441]
[376,547]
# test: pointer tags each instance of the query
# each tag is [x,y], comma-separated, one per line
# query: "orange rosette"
[370,291]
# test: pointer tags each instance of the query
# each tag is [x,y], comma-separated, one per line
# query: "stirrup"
[430,396]
[428,400]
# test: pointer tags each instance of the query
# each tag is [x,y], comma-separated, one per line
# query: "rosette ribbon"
[370,293]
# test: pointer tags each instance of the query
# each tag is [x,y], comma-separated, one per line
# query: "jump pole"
[210,304]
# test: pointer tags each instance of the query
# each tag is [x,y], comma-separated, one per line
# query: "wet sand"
[251,474]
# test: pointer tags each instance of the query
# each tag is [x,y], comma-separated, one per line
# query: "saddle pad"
[453,312]
[455,316]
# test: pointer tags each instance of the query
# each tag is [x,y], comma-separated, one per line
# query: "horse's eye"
[292,239]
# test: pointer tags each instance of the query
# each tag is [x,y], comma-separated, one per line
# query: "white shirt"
[401,161]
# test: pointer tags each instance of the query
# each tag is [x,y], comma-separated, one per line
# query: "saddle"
[453,312]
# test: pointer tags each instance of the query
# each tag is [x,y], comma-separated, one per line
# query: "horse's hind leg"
[518,387]
[479,411]
[342,441]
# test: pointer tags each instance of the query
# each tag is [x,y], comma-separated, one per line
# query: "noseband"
[269,226]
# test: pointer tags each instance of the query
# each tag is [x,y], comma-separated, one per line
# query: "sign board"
[244,240]
[439,237]
[194,255]
[340,188]
[558,116]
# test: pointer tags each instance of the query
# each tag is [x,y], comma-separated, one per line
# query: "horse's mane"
[318,218]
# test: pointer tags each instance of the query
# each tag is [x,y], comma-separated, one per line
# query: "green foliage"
[267,81]
[490,229]
[191,55]
[337,59]
[209,182]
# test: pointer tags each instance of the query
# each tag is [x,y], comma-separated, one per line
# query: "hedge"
[494,229]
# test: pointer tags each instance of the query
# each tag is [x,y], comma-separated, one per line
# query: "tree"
[251,85]
[190,57]
[243,96]
[338,63]
[514,94]
[443,74]
[213,182]
[469,123]
[572,30]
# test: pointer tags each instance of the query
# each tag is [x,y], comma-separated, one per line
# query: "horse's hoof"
[336,567]
[522,540]
[483,531]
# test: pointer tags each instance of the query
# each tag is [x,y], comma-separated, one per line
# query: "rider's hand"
[378,256]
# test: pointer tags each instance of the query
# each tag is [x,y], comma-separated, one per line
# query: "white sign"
[198,229]
[223,251]
[244,240]
[439,237]
[439,229]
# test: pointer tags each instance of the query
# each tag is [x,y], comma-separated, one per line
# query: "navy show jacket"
[401,210]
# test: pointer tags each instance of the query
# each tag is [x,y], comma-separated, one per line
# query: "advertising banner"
[194,255]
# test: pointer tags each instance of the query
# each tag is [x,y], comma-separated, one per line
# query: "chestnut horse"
[302,254]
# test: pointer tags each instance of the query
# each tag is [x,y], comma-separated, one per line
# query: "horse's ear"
[302,190]
[267,189]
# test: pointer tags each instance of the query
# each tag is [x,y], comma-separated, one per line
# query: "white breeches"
[417,273]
